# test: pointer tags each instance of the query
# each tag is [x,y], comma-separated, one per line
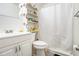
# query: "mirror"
[9,18]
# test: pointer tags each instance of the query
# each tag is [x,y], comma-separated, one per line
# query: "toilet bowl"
[40,46]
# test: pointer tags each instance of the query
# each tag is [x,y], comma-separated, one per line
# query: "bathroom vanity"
[14,38]
[16,44]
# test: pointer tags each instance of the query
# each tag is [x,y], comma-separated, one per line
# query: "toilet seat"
[39,44]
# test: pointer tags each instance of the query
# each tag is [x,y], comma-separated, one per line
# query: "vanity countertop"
[6,35]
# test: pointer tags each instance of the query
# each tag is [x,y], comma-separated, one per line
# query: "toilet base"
[40,52]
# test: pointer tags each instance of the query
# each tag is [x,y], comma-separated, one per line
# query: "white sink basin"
[4,35]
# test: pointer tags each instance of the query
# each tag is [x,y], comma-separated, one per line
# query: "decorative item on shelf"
[33,27]
[35,13]
[30,19]
[21,29]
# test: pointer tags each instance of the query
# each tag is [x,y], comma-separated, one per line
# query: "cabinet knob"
[15,49]
[19,48]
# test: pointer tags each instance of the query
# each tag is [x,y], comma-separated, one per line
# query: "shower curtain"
[55,23]
[64,26]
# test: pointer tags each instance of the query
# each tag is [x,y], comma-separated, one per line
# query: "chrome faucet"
[9,31]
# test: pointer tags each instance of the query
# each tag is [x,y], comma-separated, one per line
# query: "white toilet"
[40,46]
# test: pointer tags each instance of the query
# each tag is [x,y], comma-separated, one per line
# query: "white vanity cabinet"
[17,45]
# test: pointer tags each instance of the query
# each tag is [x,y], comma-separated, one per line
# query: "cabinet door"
[26,48]
[8,51]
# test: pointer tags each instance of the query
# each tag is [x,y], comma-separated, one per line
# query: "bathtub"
[57,52]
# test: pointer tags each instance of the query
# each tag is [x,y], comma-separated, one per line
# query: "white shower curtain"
[64,26]
[55,24]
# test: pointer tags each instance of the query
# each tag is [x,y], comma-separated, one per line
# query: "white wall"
[56,26]
[9,19]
